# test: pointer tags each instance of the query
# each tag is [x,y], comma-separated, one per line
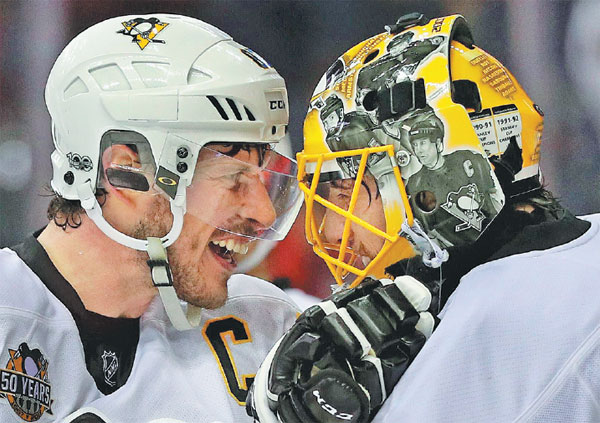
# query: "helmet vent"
[370,101]
[232,105]
[234,108]
[426,201]
[196,76]
[218,106]
[110,78]
[77,86]
[371,56]
[152,74]
[249,113]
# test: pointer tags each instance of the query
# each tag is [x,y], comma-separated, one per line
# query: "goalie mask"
[415,137]
[137,85]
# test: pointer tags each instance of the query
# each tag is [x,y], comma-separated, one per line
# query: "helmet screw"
[182,153]
[181,167]
[69,178]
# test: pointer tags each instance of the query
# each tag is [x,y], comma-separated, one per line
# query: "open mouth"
[227,248]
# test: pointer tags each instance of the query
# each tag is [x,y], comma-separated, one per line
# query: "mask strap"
[433,255]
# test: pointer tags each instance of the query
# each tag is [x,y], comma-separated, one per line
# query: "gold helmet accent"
[444,130]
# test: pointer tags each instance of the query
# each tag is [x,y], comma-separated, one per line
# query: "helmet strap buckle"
[163,281]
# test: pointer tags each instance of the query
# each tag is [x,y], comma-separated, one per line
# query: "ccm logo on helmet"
[276,104]
[330,408]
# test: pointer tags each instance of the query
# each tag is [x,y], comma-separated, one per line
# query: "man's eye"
[340,196]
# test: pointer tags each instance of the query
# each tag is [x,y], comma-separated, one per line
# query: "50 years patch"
[24,383]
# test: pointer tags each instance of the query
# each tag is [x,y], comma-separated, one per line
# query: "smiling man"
[163,176]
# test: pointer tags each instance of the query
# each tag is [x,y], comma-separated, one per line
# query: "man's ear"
[115,158]
[439,145]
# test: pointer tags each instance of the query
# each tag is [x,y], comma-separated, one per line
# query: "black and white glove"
[344,355]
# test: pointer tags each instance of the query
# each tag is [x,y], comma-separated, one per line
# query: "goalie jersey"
[56,357]
[519,339]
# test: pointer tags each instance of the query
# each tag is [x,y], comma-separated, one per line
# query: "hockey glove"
[344,355]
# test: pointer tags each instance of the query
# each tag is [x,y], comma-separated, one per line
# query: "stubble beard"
[188,282]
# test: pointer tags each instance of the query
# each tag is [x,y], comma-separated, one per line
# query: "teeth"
[232,245]
[241,248]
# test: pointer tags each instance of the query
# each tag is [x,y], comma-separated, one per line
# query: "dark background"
[550,46]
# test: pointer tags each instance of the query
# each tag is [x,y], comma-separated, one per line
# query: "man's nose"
[333,228]
[256,204]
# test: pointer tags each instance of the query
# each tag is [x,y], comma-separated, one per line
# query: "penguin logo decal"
[143,31]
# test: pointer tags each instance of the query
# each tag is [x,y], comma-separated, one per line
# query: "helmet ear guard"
[441,87]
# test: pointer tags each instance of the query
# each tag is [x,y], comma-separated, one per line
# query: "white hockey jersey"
[519,341]
[56,357]
[201,375]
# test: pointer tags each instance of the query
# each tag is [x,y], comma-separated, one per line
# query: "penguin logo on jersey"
[24,383]
[143,31]
[110,365]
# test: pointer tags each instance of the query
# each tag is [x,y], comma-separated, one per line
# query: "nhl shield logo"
[110,365]
[24,383]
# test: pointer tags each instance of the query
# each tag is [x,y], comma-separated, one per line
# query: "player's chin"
[208,301]
[212,295]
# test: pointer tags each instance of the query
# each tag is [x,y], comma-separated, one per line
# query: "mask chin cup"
[433,256]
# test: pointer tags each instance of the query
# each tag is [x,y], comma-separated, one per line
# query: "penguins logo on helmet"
[143,31]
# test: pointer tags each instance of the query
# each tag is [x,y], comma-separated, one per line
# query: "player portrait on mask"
[458,183]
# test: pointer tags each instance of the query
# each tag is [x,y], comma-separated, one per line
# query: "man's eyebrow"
[339,183]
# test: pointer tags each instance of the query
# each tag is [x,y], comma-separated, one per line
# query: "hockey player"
[519,336]
[163,174]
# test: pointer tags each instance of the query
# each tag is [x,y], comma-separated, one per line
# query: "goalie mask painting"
[421,111]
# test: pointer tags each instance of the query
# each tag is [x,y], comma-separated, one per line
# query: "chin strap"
[433,255]
[94,212]
[162,279]
[157,251]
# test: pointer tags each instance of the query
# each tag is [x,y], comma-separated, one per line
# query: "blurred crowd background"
[552,47]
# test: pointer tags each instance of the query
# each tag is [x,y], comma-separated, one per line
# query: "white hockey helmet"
[168,84]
